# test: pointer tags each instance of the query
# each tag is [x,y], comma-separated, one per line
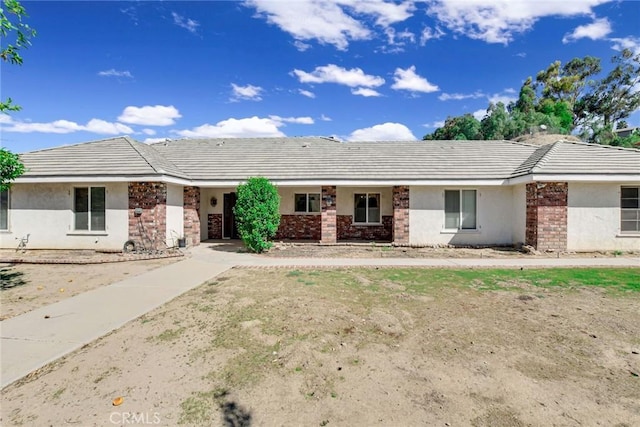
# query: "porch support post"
[401,214]
[191,213]
[148,214]
[329,224]
[546,224]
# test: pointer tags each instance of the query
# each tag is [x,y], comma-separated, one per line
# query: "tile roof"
[320,158]
[324,158]
[119,156]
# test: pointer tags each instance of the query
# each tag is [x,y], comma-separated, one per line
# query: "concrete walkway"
[30,341]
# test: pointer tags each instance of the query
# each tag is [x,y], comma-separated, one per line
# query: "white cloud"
[148,131]
[479,114]
[506,97]
[498,21]
[306,93]
[366,92]
[150,115]
[460,96]
[298,120]
[186,23]
[154,140]
[66,126]
[335,22]
[248,92]
[325,22]
[115,73]
[325,118]
[598,29]
[383,132]
[106,128]
[521,54]
[410,81]
[301,46]
[399,38]
[632,43]
[5,118]
[231,128]
[331,73]
[429,33]
[434,125]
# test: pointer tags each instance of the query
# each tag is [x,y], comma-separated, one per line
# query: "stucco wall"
[494,217]
[519,213]
[593,218]
[46,212]
[175,219]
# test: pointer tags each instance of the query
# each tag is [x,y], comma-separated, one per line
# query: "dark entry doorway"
[229,230]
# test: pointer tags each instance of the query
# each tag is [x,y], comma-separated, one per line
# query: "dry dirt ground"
[373,250]
[354,347]
[24,287]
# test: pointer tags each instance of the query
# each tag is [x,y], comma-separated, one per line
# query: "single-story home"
[565,196]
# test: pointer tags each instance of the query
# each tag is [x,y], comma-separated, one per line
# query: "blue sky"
[366,70]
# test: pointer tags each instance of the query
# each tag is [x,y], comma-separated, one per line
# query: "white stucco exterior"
[518,213]
[494,217]
[593,218]
[175,214]
[45,212]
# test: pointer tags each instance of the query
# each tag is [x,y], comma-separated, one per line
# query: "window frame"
[460,210]
[635,210]
[307,203]
[6,209]
[368,197]
[89,203]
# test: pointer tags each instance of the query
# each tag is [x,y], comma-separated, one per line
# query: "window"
[89,208]
[460,209]
[307,202]
[4,210]
[366,208]
[630,209]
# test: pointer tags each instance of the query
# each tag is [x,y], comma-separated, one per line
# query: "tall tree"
[16,35]
[460,127]
[567,83]
[616,96]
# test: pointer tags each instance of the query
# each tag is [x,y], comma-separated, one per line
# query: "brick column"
[546,224]
[191,209]
[148,229]
[328,231]
[214,226]
[401,214]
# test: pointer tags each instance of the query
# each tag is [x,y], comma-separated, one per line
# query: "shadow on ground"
[10,279]
[234,415]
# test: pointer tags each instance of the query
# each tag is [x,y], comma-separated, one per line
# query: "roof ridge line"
[591,144]
[551,148]
[132,143]
[95,141]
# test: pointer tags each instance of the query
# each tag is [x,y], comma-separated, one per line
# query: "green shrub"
[257,213]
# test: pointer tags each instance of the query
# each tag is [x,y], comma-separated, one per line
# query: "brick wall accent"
[401,214]
[546,223]
[214,226]
[191,210]
[150,228]
[300,227]
[348,231]
[328,216]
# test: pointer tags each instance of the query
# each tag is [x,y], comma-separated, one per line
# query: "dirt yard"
[24,287]
[360,347]
[373,250]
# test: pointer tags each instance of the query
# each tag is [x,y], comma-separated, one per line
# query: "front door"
[229,230]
